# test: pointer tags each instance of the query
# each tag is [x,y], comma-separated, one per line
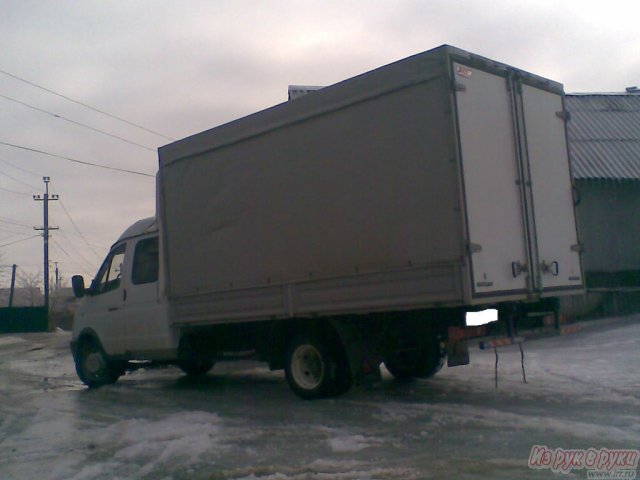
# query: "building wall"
[608,218]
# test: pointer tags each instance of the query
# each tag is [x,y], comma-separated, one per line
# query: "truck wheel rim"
[94,364]
[307,367]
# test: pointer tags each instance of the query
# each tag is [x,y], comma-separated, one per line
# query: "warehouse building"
[604,143]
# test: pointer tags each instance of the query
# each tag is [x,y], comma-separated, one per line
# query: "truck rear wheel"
[193,357]
[314,369]
[93,367]
[195,368]
[422,362]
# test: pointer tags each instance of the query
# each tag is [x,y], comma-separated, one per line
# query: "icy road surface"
[242,422]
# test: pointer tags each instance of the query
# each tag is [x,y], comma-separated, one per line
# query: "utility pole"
[13,284]
[45,234]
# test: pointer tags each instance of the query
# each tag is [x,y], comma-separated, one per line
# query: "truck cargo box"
[439,180]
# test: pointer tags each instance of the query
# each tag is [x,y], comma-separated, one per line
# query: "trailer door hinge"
[459,87]
[578,247]
[474,247]
[564,115]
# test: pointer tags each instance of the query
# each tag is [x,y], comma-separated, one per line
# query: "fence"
[23,319]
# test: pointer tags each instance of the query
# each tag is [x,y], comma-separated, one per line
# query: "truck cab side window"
[145,261]
[109,275]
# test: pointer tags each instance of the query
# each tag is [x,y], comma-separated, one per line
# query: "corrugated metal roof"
[604,135]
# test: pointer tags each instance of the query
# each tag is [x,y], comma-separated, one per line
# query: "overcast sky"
[178,68]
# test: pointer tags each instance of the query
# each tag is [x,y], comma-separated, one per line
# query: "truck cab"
[122,315]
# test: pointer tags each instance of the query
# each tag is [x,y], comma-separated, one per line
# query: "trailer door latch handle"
[553,268]
[517,268]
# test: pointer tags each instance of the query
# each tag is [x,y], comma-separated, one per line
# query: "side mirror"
[77,282]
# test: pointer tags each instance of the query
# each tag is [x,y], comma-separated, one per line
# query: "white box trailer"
[439,180]
[347,227]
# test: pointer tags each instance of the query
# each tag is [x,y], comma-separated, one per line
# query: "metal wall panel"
[387,291]
[604,135]
[609,225]
[367,188]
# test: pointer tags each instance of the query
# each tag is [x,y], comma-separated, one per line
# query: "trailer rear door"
[494,203]
[559,260]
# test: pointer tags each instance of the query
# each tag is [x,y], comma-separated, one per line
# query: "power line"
[26,170]
[72,236]
[11,235]
[17,232]
[62,249]
[78,230]
[14,192]
[13,232]
[85,105]
[82,162]
[17,180]
[77,123]
[18,241]
[13,222]
[85,262]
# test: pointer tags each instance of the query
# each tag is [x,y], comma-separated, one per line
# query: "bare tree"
[4,270]
[58,296]
[31,283]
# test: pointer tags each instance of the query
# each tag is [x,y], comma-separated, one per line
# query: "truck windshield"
[109,275]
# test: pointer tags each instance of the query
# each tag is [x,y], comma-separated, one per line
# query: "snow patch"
[349,443]
[10,341]
[93,471]
[312,473]
[447,415]
[181,437]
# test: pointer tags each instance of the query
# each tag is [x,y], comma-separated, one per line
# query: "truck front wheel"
[93,367]
[314,369]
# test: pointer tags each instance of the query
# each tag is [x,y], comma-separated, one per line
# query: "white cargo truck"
[345,228]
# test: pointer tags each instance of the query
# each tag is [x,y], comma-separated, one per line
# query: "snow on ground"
[10,340]
[242,422]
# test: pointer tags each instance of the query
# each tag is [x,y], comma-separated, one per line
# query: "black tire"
[94,367]
[195,367]
[415,363]
[315,369]
[192,356]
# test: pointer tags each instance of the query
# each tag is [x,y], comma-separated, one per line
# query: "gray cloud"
[183,67]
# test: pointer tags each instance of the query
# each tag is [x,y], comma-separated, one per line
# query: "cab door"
[148,323]
[106,300]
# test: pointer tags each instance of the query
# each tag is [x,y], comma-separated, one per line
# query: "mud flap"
[457,353]
[361,350]
[457,346]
